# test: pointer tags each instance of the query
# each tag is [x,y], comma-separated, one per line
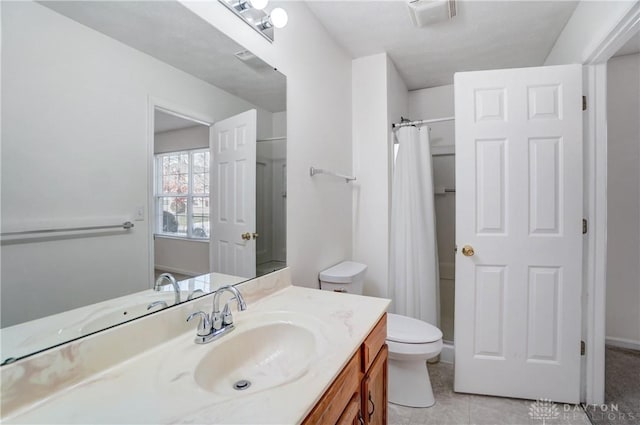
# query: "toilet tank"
[347,276]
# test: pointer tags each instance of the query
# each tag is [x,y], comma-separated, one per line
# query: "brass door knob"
[468,251]
[246,236]
[256,235]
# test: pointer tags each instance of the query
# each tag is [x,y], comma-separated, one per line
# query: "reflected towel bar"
[313,171]
[126,226]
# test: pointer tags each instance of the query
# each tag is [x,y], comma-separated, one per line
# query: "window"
[182,194]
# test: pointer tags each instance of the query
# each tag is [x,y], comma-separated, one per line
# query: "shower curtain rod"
[405,122]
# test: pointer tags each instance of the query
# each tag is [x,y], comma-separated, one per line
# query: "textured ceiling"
[171,33]
[483,35]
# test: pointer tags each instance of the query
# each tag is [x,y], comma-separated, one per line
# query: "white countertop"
[30,337]
[158,385]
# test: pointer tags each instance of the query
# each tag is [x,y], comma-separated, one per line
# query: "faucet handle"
[227,318]
[204,327]
[216,321]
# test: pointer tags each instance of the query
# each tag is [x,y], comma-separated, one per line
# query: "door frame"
[180,111]
[595,202]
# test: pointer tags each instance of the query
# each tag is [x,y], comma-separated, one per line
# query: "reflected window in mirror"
[182,194]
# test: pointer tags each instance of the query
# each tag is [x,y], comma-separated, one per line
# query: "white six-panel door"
[519,206]
[233,195]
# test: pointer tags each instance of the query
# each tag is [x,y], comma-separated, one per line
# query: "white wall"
[196,137]
[623,191]
[67,88]
[370,164]
[184,256]
[279,124]
[380,97]
[318,129]
[437,102]
[590,23]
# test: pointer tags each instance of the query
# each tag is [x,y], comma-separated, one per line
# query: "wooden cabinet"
[333,402]
[374,390]
[351,414]
[358,396]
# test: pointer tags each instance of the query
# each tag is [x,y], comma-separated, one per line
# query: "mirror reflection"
[132,155]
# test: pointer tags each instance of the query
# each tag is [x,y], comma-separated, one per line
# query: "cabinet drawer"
[337,397]
[374,342]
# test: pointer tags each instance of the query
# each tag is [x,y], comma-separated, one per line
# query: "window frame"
[158,195]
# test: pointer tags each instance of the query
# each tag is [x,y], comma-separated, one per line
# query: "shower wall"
[437,102]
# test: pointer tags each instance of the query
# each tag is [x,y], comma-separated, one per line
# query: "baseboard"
[622,343]
[176,270]
[447,353]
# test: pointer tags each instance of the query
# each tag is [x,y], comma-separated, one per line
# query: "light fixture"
[242,5]
[278,18]
[252,13]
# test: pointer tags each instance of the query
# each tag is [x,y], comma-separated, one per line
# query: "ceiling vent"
[427,12]
[253,62]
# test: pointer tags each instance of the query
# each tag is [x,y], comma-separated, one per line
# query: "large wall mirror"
[137,140]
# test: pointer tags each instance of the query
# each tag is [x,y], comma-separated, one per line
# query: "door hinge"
[583,348]
[585,226]
[584,103]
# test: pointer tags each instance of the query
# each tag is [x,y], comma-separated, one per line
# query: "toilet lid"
[409,330]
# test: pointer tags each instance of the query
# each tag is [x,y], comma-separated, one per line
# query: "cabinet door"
[374,390]
[337,397]
[351,414]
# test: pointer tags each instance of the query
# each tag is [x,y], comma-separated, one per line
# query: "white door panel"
[233,206]
[519,205]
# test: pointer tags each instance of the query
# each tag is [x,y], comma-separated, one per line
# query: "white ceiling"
[483,35]
[631,47]
[171,33]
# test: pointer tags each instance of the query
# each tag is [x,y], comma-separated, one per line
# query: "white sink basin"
[267,354]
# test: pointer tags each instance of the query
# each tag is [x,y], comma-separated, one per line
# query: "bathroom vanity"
[310,356]
[359,394]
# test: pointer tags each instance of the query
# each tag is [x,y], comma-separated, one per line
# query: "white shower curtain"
[413,266]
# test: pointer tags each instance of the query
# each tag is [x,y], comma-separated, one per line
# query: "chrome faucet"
[157,303]
[212,327]
[194,293]
[172,280]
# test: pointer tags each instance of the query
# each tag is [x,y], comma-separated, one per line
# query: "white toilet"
[411,342]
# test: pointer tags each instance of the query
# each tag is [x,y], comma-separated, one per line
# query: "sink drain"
[242,384]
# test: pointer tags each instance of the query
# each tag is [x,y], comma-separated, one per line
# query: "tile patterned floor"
[464,409]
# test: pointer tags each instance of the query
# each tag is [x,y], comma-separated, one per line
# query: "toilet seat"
[413,352]
[407,330]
